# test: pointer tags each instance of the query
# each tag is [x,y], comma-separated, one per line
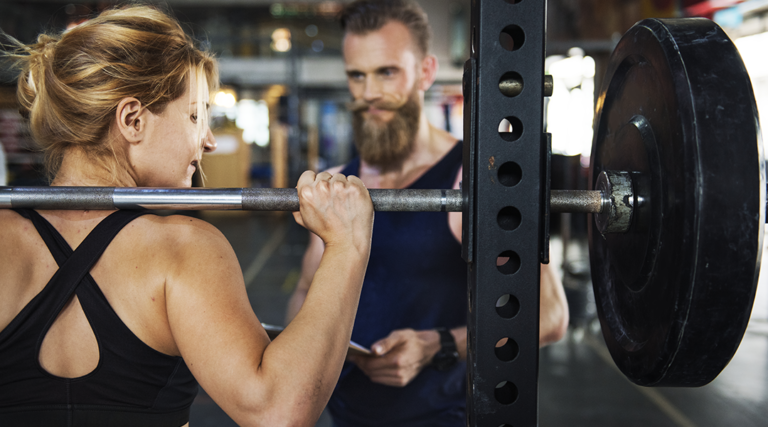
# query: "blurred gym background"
[281,110]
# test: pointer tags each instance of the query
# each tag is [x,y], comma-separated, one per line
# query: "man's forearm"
[460,335]
[553,315]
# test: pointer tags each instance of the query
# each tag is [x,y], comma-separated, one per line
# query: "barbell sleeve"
[577,201]
[254,199]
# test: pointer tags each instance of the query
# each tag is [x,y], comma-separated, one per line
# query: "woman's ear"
[131,120]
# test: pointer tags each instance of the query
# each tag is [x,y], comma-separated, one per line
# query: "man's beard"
[386,145]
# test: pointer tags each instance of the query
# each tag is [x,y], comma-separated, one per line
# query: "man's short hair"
[365,16]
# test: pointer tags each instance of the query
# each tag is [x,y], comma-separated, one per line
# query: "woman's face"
[174,148]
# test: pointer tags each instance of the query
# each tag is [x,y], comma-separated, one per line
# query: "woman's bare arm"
[288,381]
[309,265]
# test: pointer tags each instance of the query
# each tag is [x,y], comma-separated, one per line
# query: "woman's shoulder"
[11,224]
[183,248]
[174,222]
[176,229]
[10,215]
[178,238]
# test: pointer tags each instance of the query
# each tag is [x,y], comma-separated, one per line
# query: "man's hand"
[399,357]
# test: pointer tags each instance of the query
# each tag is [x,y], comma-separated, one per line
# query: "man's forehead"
[391,43]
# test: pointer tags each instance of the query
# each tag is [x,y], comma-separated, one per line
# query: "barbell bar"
[249,199]
[263,199]
[258,199]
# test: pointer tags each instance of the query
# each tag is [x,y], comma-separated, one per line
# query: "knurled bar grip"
[287,199]
[253,199]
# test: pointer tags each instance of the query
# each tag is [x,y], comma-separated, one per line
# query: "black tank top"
[132,385]
[415,279]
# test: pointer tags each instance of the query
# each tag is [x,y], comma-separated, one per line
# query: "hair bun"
[46,44]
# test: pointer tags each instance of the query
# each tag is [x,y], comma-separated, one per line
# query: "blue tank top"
[133,384]
[415,279]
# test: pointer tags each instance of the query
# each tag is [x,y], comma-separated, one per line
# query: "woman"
[113,333]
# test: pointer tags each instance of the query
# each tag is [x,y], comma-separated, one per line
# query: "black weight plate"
[674,293]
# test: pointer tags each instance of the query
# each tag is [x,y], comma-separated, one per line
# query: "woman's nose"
[209,145]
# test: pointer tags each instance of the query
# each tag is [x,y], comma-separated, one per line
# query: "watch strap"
[447,342]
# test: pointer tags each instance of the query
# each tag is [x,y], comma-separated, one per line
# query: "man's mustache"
[359,105]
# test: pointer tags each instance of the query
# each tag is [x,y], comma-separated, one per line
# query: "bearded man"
[412,311]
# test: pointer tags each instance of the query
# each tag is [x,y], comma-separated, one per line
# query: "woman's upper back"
[125,344]
[131,272]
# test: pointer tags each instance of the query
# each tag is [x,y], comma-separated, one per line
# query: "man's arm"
[553,307]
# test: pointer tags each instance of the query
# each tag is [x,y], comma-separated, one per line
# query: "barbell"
[677,195]
[259,199]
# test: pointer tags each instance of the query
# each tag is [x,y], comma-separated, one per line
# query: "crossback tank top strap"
[75,265]
[52,238]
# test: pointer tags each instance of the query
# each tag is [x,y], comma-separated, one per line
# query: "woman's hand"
[336,208]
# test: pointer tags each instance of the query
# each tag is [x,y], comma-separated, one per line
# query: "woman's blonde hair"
[71,84]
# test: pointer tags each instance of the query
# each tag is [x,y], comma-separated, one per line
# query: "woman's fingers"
[307,177]
[332,205]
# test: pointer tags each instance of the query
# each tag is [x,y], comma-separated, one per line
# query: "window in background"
[570,109]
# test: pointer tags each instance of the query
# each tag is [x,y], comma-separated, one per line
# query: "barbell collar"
[619,203]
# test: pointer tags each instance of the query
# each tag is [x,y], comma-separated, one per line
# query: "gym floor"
[579,385]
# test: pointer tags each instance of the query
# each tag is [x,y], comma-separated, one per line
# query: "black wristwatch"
[448,355]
